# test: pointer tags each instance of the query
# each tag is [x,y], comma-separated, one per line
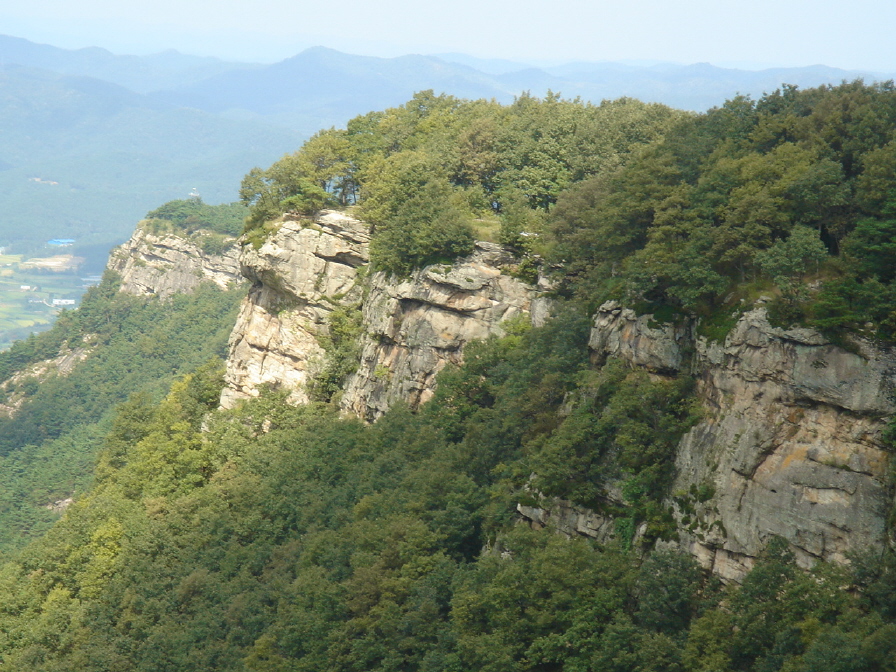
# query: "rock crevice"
[790,440]
[411,327]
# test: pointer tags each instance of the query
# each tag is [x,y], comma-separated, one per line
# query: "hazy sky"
[748,33]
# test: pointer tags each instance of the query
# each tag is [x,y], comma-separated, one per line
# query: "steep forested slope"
[791,195]
[123,345]
[426,172]
[289,539]
[269,537]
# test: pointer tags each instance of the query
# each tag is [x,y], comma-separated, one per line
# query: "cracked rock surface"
[167,264]
[412,327]
[299,275]
[790,442]
[415,326]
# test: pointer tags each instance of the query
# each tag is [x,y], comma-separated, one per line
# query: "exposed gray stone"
[569,519]
[790,442]
[166,264]
[412,326]
[415,326]
[299,275]
[619,332]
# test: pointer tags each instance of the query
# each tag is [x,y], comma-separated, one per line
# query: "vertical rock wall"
[298,277]
[790,443]
[415,326]
[166,264]
[411,327]
[791,446]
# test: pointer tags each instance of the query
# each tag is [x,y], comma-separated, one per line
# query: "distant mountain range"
[321,87]
[109,137]
[141,74]
[84,153]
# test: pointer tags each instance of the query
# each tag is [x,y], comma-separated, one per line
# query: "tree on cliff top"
[485,153]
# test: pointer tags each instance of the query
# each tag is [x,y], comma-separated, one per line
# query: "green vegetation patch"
[794,190]
[190,215]
[342,344]
[438,171]
[716,327]
[290,538]
[47,451]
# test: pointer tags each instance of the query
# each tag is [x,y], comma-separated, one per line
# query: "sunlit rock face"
[415,326]
[167,264]
[411,327]
[299,275]
[790,443]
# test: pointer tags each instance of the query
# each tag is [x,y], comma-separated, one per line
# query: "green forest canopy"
[270,538]
[192,214]
[691,212]
[281,538]
[133,345]
[422,172]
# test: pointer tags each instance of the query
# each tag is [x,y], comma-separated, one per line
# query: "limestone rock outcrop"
[411,327]
[789,444]
[298,277]
[567,518]
[164,264]
[415,326]
[658,347]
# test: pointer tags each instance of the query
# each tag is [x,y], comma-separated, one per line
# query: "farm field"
[27,294]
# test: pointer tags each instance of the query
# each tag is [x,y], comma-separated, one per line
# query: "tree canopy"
[748,197]
[423,172]
[270,538]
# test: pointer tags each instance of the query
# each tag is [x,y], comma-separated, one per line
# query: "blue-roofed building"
[61,242]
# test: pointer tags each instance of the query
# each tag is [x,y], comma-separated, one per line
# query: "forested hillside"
[54,425]
[792,195]
[288,539]
[275,538]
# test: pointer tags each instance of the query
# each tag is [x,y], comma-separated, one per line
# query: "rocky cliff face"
[793,448]
[411,327]
[298,277]
[164,264]
[790,444]
[414,327]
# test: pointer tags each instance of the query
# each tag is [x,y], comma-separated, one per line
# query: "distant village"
[33,291]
